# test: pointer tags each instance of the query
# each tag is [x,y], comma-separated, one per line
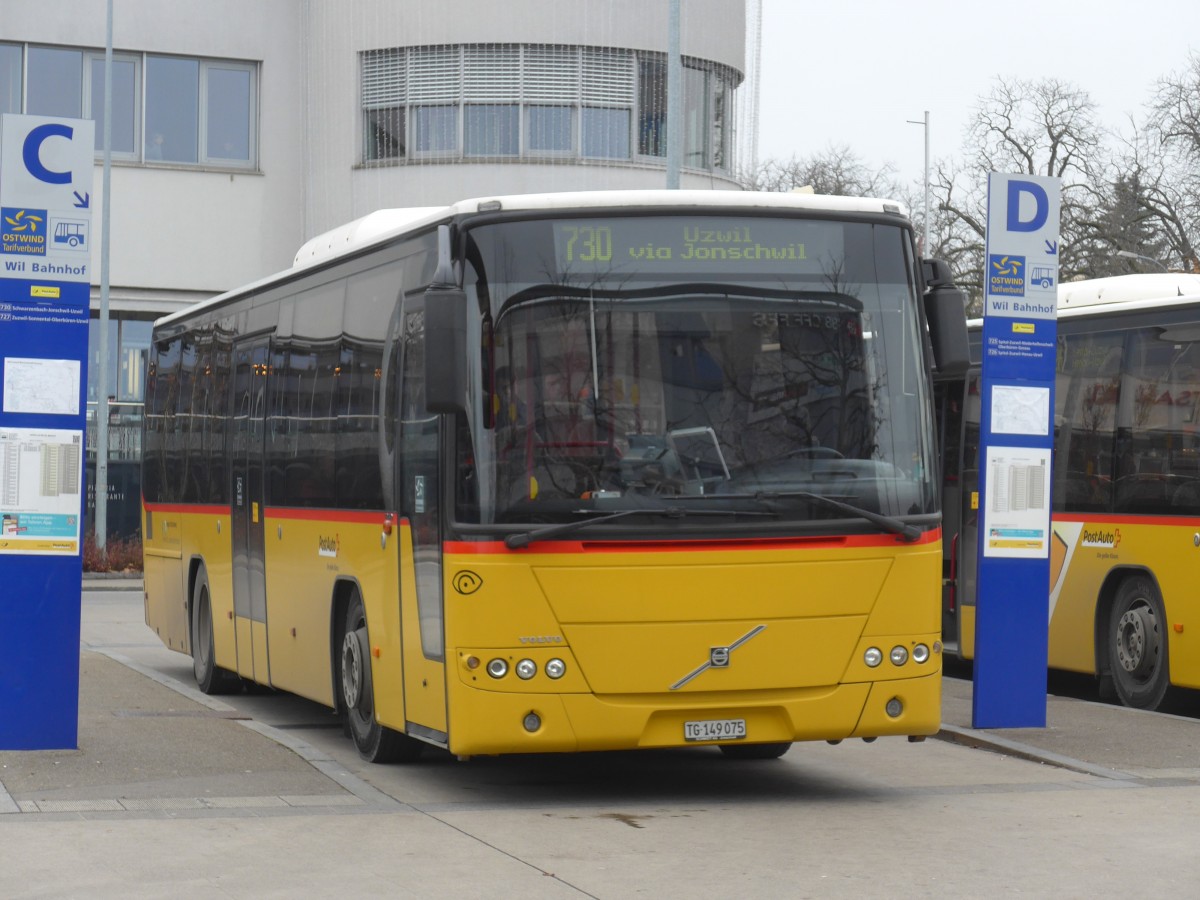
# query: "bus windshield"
[697,363]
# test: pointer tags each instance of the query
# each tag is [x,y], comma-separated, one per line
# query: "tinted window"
[124,104]
[55,79]
[1085,398]
[1157,446]
[172,109]
[303,405]
[10,78]
[370,300]
[161,397]
[229,115]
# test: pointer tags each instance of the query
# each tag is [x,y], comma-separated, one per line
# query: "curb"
[980,740]
[111,581]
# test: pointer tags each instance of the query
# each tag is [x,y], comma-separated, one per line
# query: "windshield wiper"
[888,523]
[525,538]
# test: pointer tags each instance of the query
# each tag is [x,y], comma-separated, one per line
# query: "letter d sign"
[1041,206]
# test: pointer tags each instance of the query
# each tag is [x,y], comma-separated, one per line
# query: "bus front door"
[419,493]
[247,431]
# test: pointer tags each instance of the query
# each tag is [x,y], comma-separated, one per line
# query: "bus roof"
[1120,288]
[1184,290]
[385,225]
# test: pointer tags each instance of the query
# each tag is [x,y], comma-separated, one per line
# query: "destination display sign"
[699,244]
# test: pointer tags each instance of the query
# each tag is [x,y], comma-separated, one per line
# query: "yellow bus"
[565,472]
[1125,543]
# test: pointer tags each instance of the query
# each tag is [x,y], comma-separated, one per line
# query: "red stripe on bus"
[485,548]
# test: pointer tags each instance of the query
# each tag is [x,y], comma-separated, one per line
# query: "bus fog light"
[894,708]
[532,722]
[920,653]
[899,655]
[497,668]
[873,656]
[526,669]
[556,668]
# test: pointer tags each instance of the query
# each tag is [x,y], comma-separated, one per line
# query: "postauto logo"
[22,231]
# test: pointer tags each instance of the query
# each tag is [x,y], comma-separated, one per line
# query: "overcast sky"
[853,71]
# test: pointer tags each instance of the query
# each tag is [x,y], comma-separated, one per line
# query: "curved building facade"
[455,99]
[242,128]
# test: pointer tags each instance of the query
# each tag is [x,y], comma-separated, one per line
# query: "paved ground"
[172,792]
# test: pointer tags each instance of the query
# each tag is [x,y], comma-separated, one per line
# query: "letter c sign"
[31,152]
[1041,206]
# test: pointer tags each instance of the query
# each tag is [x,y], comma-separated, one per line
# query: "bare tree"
[1171,170]
[1045,127]
[836,170]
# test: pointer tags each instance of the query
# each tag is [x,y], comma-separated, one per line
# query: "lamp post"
[674,97]
[925,238]
[1129,254]
[100,519]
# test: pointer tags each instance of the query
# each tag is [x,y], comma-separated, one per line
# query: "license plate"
[714,730]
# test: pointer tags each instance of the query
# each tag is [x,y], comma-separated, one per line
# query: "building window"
[538,101]
[696,118]
[191,111]
[229,120]
[491,129]
[172,109]
[125,96]
[55,82]
[128,349]
[652,107]
[551,129]
[384,138]
[435,129]
[10,78]
[605,133]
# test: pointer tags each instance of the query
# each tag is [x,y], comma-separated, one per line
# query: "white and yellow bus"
[1125,547]
[565,472]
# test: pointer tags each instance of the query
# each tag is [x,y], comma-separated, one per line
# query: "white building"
[241,128]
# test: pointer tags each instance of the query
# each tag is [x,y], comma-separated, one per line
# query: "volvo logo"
[718,657]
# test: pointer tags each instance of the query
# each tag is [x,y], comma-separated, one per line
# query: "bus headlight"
[526,669]
[873,656]
[899,655]
[556,668]
[497,668]
[920,653]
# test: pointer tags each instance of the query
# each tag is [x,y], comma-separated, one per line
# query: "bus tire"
[1136,640]
[210,678]
[374,742]
[755,751]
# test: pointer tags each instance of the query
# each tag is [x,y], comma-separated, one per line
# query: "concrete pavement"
[171,792]
[151,741]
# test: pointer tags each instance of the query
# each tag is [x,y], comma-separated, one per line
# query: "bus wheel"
[210,678]
[1137,644]
[374,742]
[755,751]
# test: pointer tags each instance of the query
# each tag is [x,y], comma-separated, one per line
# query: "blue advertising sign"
[1012,612]
[46,168]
